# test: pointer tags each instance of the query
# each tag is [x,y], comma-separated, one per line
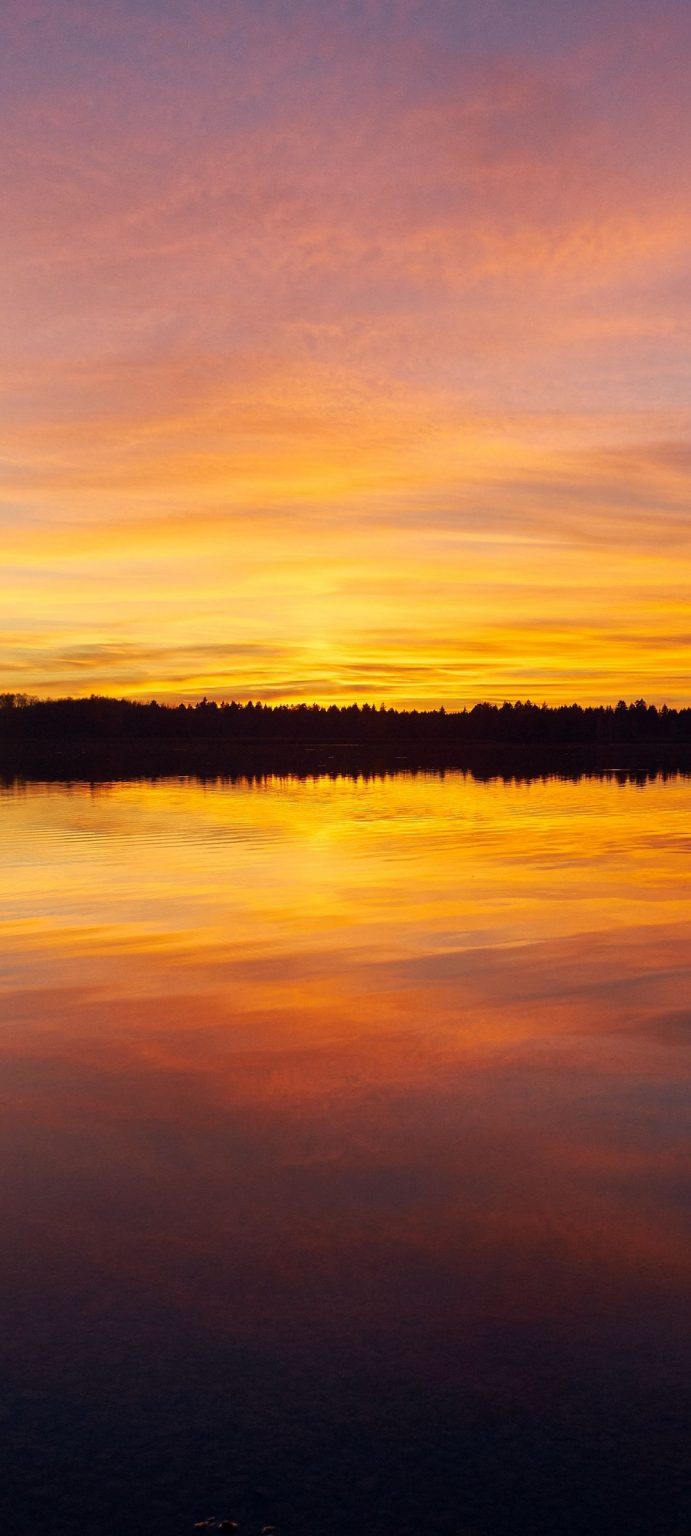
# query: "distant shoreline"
[102,738]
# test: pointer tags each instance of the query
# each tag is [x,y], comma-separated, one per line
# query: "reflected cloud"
[363,1099]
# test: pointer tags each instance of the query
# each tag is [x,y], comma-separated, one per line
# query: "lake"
[345,1140]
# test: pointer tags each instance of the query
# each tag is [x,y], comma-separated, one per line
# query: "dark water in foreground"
[345,1150]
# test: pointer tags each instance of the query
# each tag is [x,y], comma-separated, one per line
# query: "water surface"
[345,1140]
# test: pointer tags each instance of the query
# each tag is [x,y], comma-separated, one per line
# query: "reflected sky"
[345,1126]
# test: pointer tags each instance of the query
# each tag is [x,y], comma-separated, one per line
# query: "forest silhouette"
[100,738]
[101,719]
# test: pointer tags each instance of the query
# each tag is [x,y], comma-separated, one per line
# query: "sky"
[345,349]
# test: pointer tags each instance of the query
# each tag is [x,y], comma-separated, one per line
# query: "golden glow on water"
[339,1071]
[385,861]
[322,907]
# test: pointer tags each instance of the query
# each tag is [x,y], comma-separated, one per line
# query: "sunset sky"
[345,349]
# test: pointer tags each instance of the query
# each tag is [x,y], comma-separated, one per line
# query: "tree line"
[108,720]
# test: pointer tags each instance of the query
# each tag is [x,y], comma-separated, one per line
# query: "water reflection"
[345,1128]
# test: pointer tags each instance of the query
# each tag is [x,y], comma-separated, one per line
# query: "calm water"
[345,1148]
